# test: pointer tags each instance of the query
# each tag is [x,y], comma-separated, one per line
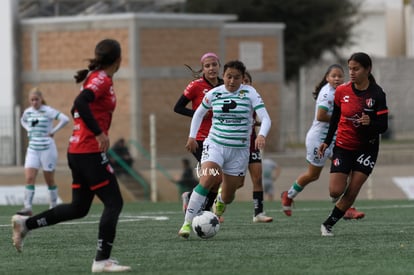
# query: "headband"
[206,55]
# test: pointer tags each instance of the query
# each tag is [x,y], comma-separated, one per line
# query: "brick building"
[152,75]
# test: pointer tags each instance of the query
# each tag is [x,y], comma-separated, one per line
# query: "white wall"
[6,54]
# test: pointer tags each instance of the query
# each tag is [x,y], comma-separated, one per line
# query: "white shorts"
[312,146]
[45,159]
[233,161]
[268,187]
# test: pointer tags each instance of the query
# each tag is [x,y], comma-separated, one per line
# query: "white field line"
[161,215]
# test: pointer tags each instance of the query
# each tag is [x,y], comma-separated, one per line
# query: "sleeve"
[259,108]
[199,114]
[379,118]
[24,122]
[265,121]
[82,105]
[180,107]
[63,120]
[323,98]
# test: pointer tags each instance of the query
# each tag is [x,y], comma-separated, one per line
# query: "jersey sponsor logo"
[346,98]
[354,120]
[228,105]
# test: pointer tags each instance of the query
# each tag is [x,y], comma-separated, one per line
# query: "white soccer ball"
[206,224]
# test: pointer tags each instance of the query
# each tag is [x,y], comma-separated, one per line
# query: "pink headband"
[208,55]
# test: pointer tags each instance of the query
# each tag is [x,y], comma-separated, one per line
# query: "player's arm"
[180,107]
[333,124]
[81,104]
[191,144]
[23,121]
[322,114]
[63,120]
[378,122]
[264,118]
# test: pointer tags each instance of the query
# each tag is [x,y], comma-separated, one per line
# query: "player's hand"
[321,150]
[103,142]
[191,145]
[260,142]
[364,119]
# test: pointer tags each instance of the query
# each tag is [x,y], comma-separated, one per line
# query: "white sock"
[29,192]
[194,206]
[53,193]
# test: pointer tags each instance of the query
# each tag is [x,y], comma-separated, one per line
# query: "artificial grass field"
[147,240]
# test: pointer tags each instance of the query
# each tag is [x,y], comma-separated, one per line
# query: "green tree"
[312,26]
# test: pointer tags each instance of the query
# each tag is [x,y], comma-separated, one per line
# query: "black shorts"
[197,153]
[255,156]
[91,170]
[345,161]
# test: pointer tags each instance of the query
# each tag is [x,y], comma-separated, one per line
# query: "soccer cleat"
[326,230]
[185,198]
[352,213]
[19,231]
[286,203]
[108,265]
[262,218]
[25,212]
[185,230]
[219,208]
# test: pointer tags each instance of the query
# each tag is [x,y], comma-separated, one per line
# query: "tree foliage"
[312,27]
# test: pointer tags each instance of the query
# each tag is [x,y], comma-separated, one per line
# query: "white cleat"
[108,265]
[262,218]
[326,230]
[19,231]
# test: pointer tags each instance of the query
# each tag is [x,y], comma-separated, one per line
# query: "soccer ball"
[206,224]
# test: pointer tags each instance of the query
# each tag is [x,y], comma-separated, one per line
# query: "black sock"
[334,217]
[211,196]
[103,250]
[258,202]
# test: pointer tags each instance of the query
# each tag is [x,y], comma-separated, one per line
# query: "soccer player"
[41,151]
[359,116]
[194,93]
[324,96]
[225,152]
[91,172]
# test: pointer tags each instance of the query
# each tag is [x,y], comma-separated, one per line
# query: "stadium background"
[153,76]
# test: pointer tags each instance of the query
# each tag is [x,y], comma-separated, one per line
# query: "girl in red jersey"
[194,93]
[91,172]
[359,116]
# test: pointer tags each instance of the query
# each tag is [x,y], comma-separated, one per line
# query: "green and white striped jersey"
[232,114]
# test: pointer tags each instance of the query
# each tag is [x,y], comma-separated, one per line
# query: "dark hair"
[107,52]
[323,81]
[365,61]
[195,74]
[249,76]
[235,64]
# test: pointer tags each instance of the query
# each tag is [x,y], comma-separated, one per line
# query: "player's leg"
[48,159]
[31,166]
[255,170]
